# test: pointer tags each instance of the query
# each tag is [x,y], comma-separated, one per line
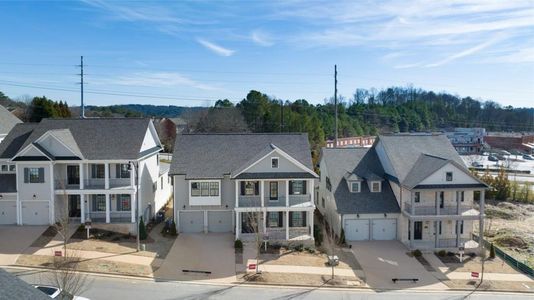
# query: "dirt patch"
[46,237]
[474,264]
[302,258]
[90,265]
[303,279]
[489,285]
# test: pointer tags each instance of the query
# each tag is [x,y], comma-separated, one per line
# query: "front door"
[418,230]
[74,206]
[73,175]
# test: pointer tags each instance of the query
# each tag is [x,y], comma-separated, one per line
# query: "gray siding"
[181,195]
[284,165]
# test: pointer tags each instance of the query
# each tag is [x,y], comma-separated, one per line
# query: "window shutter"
[290,187]
[290,219]
[304,187]
[26,175]
[242,188]
[41,175]
[304,214]
[256,188]
[117,171]
[280,219]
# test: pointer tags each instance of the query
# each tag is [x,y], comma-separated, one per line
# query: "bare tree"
[254,227]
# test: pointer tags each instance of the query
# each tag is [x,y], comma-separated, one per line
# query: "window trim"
[28,176]
[119,199]
[449,176]
[417,197]
[271,184]
[379,186]
[352,186]
[273,159]
[208,186]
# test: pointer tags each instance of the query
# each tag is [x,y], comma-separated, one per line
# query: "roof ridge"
[244,133]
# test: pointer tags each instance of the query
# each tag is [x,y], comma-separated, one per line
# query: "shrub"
[172,230]
[238,244]
[492,251]
[450,253]
[317,235]
[342,237]
[442,253]
[142,230]
[309,250]
[417,253]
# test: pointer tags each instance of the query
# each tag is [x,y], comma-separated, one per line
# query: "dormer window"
[274,162]
[375,186]
[448,176]
[355,187]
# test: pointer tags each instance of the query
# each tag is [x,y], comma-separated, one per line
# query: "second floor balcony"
[280,193]
[427,210]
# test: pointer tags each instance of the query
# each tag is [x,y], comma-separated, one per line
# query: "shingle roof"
[404,152]
[14,288]
[8,183]
[425,166]
[7,120]
[218,154]
[358,161]
[98,138]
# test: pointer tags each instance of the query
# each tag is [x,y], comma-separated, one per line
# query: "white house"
[246,184]
[412,188]
[98,169]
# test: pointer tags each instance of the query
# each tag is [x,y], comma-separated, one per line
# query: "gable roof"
[7,120]
[98,138]
[213,155]
[425,166]
[15,288]
[360,162]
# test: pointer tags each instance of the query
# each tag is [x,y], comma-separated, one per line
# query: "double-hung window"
[98,171]
[273,190]
[99,202]
[124,202]
[297,219]
[204,189]
[417,197]
[249,188]
[274,219]
[34,175]
[355,187]
[297,187]
[274,162]
[122,171]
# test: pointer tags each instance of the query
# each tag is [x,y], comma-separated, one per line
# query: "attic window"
[375,186]
[355,187]
[274,162]
[448,176]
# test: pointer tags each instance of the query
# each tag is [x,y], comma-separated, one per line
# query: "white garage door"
[35,213]
[8,212]
[384,229]
[220,221]
[192,221]
[356,230]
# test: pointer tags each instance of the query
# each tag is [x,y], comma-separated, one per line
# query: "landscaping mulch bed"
[490,285]
[107,236]
[45,238]
[454,258]
[302,279]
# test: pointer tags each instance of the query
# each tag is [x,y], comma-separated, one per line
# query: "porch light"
[34,196]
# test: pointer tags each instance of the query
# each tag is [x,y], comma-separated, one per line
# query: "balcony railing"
[114,216]
[295,200]
[62,184]
[451,243]
[255,201]
[422,210]
[119,182]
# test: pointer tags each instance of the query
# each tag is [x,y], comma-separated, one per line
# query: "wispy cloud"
[215,48]
[158,79]
[261,38]
[463,53]
[149,13]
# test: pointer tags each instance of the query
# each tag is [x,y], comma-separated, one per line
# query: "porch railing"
[255,201]
[421,210]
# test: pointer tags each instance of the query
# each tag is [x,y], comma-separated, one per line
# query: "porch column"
[106,176]
[82,177]
[412,229]
[457,233]
[237,195]
[287,193]
[287,225]
[133,204]
[132,176]
[262,195]
[412,201]
[264,221]
[312,189]
[82,208]
[436,233]
[482,203]
[310,218]
[52,212]
[108,216]
[237,225]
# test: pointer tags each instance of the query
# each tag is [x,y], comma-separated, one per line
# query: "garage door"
[35,213]
[356,230]
[8,212]
[192,221]
[220,221]
[384,229]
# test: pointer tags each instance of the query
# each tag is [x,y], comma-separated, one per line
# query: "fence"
[514,263]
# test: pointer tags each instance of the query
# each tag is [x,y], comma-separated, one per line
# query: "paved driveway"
[213,252]
[383,260]
[15,239]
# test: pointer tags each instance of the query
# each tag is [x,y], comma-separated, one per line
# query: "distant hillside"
[138,110]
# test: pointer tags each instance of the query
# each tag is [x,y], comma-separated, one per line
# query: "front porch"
[440,234]
[274,226]
[274,193]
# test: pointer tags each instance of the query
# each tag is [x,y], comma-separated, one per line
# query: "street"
[100,288]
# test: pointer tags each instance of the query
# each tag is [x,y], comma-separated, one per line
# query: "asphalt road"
[104,288]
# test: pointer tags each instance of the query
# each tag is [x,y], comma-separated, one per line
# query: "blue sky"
[194,52]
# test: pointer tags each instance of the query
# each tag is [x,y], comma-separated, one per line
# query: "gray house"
[414,188]
[244,183]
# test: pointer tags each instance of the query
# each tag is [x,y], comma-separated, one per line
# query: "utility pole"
[335,104]
[281,115]
[82,107]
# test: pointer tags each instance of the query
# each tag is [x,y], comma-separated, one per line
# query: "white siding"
[459,176]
